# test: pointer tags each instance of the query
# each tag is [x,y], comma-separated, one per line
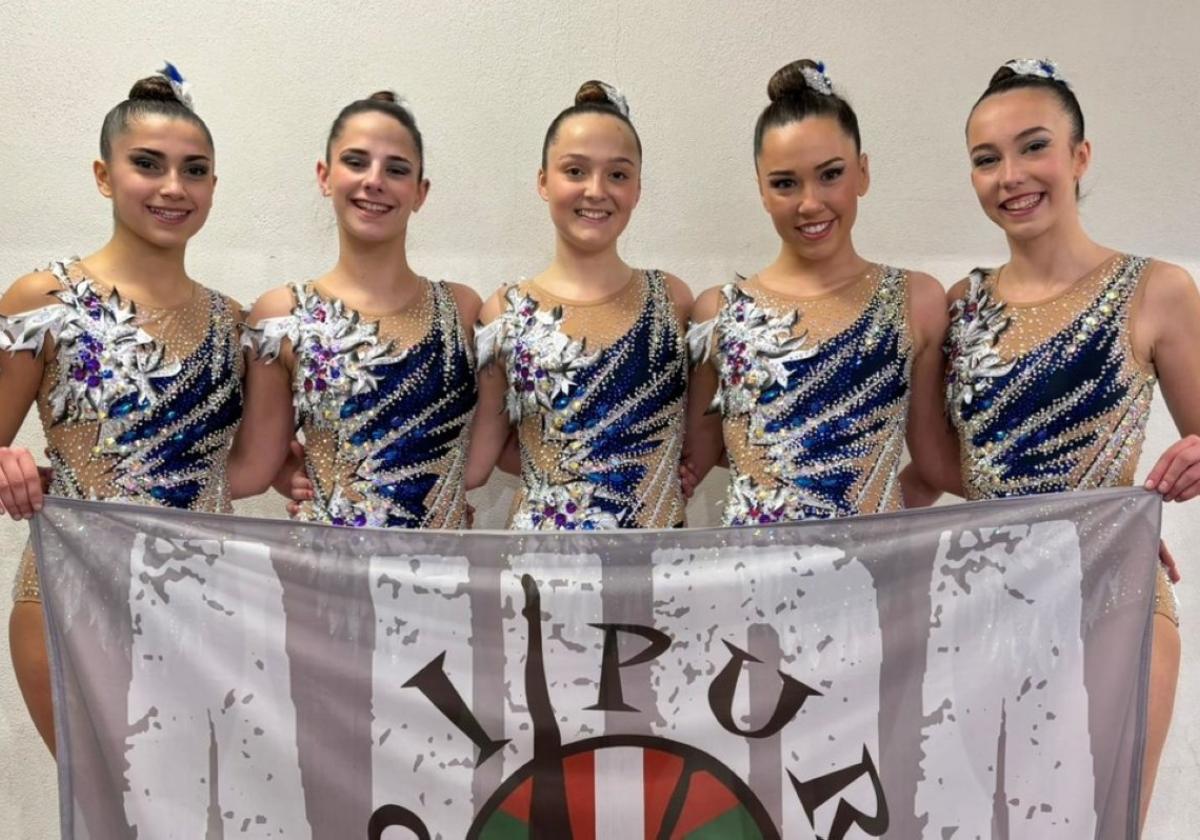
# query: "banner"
[971,671]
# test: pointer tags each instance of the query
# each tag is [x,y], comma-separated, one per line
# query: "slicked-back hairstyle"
[794,99]
[380,102]
[151,96]
[591,98]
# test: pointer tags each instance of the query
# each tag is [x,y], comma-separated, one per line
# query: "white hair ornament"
[616,98]
[816,79]
[1041,68]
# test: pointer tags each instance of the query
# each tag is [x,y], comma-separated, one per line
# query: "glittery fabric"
[813,394]
[385,404]
[137,404]
[1048,397]
[596,392]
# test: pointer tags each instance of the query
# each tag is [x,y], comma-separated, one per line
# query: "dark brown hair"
[152,95]
[380,102]
[792,100]
[1006,79]
[591,98]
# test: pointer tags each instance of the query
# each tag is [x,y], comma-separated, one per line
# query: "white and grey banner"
[975,671]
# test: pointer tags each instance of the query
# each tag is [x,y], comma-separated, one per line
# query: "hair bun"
[596,92]
[383,96]
[156,87]
[799,78]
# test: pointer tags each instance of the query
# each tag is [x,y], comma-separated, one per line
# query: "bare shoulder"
[928,305]
[679,291]
[494,305]
[958,291]
[274,303]
[1169,285]
[708,304]
[467,300]
[33,291]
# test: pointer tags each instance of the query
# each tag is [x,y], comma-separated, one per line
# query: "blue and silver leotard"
[1048,396]
[385,404]
[596,391]
[813,394]
[137,404]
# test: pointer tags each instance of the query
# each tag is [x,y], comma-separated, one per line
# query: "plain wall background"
[484,81]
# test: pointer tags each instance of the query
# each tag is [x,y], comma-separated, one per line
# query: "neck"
[808,276]
[378,269]
[1061,254]
[585,274]
[140,270]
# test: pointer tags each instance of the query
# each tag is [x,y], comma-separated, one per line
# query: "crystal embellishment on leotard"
[562,507]
[543,360]
[386,428]
[754,349]
[601,431]
[341,352]
[107,363]
[976,322]
[1069,410]
[812,429]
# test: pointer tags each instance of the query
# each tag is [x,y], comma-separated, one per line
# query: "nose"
[172,185]
[1011,173]
[595,186]
[809,201]
[373,178]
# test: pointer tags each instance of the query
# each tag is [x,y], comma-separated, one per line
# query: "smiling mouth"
[170,216]
[592,215]
[371,207]
[1022,204]
[815,230]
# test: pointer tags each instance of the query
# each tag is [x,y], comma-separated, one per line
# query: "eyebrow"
[1020,136]
[830,162]
[157,155]
[575,156]
[368,154]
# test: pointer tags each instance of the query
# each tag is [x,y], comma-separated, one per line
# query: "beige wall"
[485,79]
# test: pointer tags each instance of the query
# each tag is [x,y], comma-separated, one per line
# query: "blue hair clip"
[1041,68]
[181,86]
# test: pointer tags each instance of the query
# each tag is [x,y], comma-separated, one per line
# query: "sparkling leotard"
[1047,396]
[813,395]
[385,404]
[596,392]
[137,404]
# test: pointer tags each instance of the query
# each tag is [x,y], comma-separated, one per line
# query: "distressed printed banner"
[975,671]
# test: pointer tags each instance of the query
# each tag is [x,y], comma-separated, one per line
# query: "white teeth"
[817,227]
[592,214]
[1023,203]
[169,215]
[372,206]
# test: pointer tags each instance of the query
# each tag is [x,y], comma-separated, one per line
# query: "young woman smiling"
[1054,356]
[134,366]
[814,372]
[376,360]
[588,358]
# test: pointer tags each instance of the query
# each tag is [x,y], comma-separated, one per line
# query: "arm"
[1164,329]
[490,426]
[261,445]
[20,377]
[704,446]
[932,444]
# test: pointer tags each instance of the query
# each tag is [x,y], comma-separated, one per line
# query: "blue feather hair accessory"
[181,86]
